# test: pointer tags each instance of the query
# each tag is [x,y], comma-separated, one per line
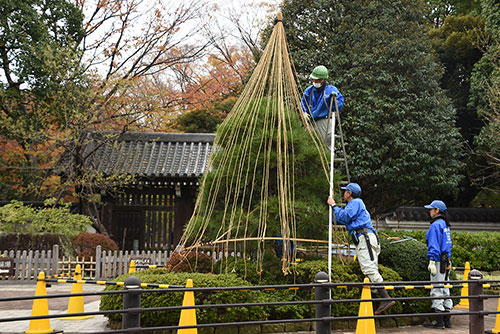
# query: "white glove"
[432,267]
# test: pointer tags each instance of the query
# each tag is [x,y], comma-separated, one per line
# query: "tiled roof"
[461,219]
[180,155]
[454,214]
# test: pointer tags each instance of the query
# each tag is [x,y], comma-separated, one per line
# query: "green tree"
[485,96]
[456,43]
[436,11]
[205,120]
[37,40]
[400,129]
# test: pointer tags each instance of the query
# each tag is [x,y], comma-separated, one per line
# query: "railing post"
[322,310]
[132,303]
[476,321]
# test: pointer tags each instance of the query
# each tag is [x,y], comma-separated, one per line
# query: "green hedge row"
[305,272]
[479,249]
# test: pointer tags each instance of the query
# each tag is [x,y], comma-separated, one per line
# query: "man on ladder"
[317,103]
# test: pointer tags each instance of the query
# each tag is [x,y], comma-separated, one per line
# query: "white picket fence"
[106,265]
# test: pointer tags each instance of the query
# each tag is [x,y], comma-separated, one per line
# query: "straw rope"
[234,182]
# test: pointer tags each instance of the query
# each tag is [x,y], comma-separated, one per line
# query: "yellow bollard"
[40,307]
[188,316]
[366,326]
[464,302]
[131,268]
[496,330]
[76,304]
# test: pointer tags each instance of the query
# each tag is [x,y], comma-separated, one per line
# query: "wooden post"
[98,262]
[55,263]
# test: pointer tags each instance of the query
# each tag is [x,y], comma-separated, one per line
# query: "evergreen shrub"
[247,270]
[479,249]
[85,244]
[408,258]
[167,298]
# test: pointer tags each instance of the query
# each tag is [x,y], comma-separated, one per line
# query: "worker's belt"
[355,234]
[318,118]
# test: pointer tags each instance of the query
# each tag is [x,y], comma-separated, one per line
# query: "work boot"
[436,321]
[386,304]
[447,319]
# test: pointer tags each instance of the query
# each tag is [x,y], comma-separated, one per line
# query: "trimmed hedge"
[479,249]
[159,276]
[408,258]
[304,273]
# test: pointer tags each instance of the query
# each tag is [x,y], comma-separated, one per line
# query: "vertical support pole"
[131,304]
[333,97]
[322,310]
[476,304]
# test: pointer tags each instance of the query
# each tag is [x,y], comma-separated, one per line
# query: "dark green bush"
[158,276]
[247,270]
[479,249]
[408,258]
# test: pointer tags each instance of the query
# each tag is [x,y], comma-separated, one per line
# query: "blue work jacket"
[438,239]
[354,216]
[316,102]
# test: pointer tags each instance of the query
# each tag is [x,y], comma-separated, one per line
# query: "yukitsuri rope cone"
[250,193]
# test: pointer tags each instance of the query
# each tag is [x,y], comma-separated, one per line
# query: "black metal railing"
[132,310]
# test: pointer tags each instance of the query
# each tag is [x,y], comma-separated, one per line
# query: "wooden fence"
[106,265]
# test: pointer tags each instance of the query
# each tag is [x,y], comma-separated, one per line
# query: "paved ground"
[98,323]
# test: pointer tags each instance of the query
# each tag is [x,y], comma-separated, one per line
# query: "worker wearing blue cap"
[359,225]
[438,239]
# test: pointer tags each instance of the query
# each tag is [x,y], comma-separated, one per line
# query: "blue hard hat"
[353,187]
[436,204]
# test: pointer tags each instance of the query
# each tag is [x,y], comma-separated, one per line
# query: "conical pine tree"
[267,178]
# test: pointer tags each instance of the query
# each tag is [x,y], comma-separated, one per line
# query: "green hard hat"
[319,72]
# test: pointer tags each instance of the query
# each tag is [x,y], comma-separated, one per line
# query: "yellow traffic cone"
[76,303]
[188,316]
[365,326]
[40,307]
[496,330]
[464,302]
[131,268]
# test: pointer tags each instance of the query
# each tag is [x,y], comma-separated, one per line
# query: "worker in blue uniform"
[359,225]
[317,103]
[438,239]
